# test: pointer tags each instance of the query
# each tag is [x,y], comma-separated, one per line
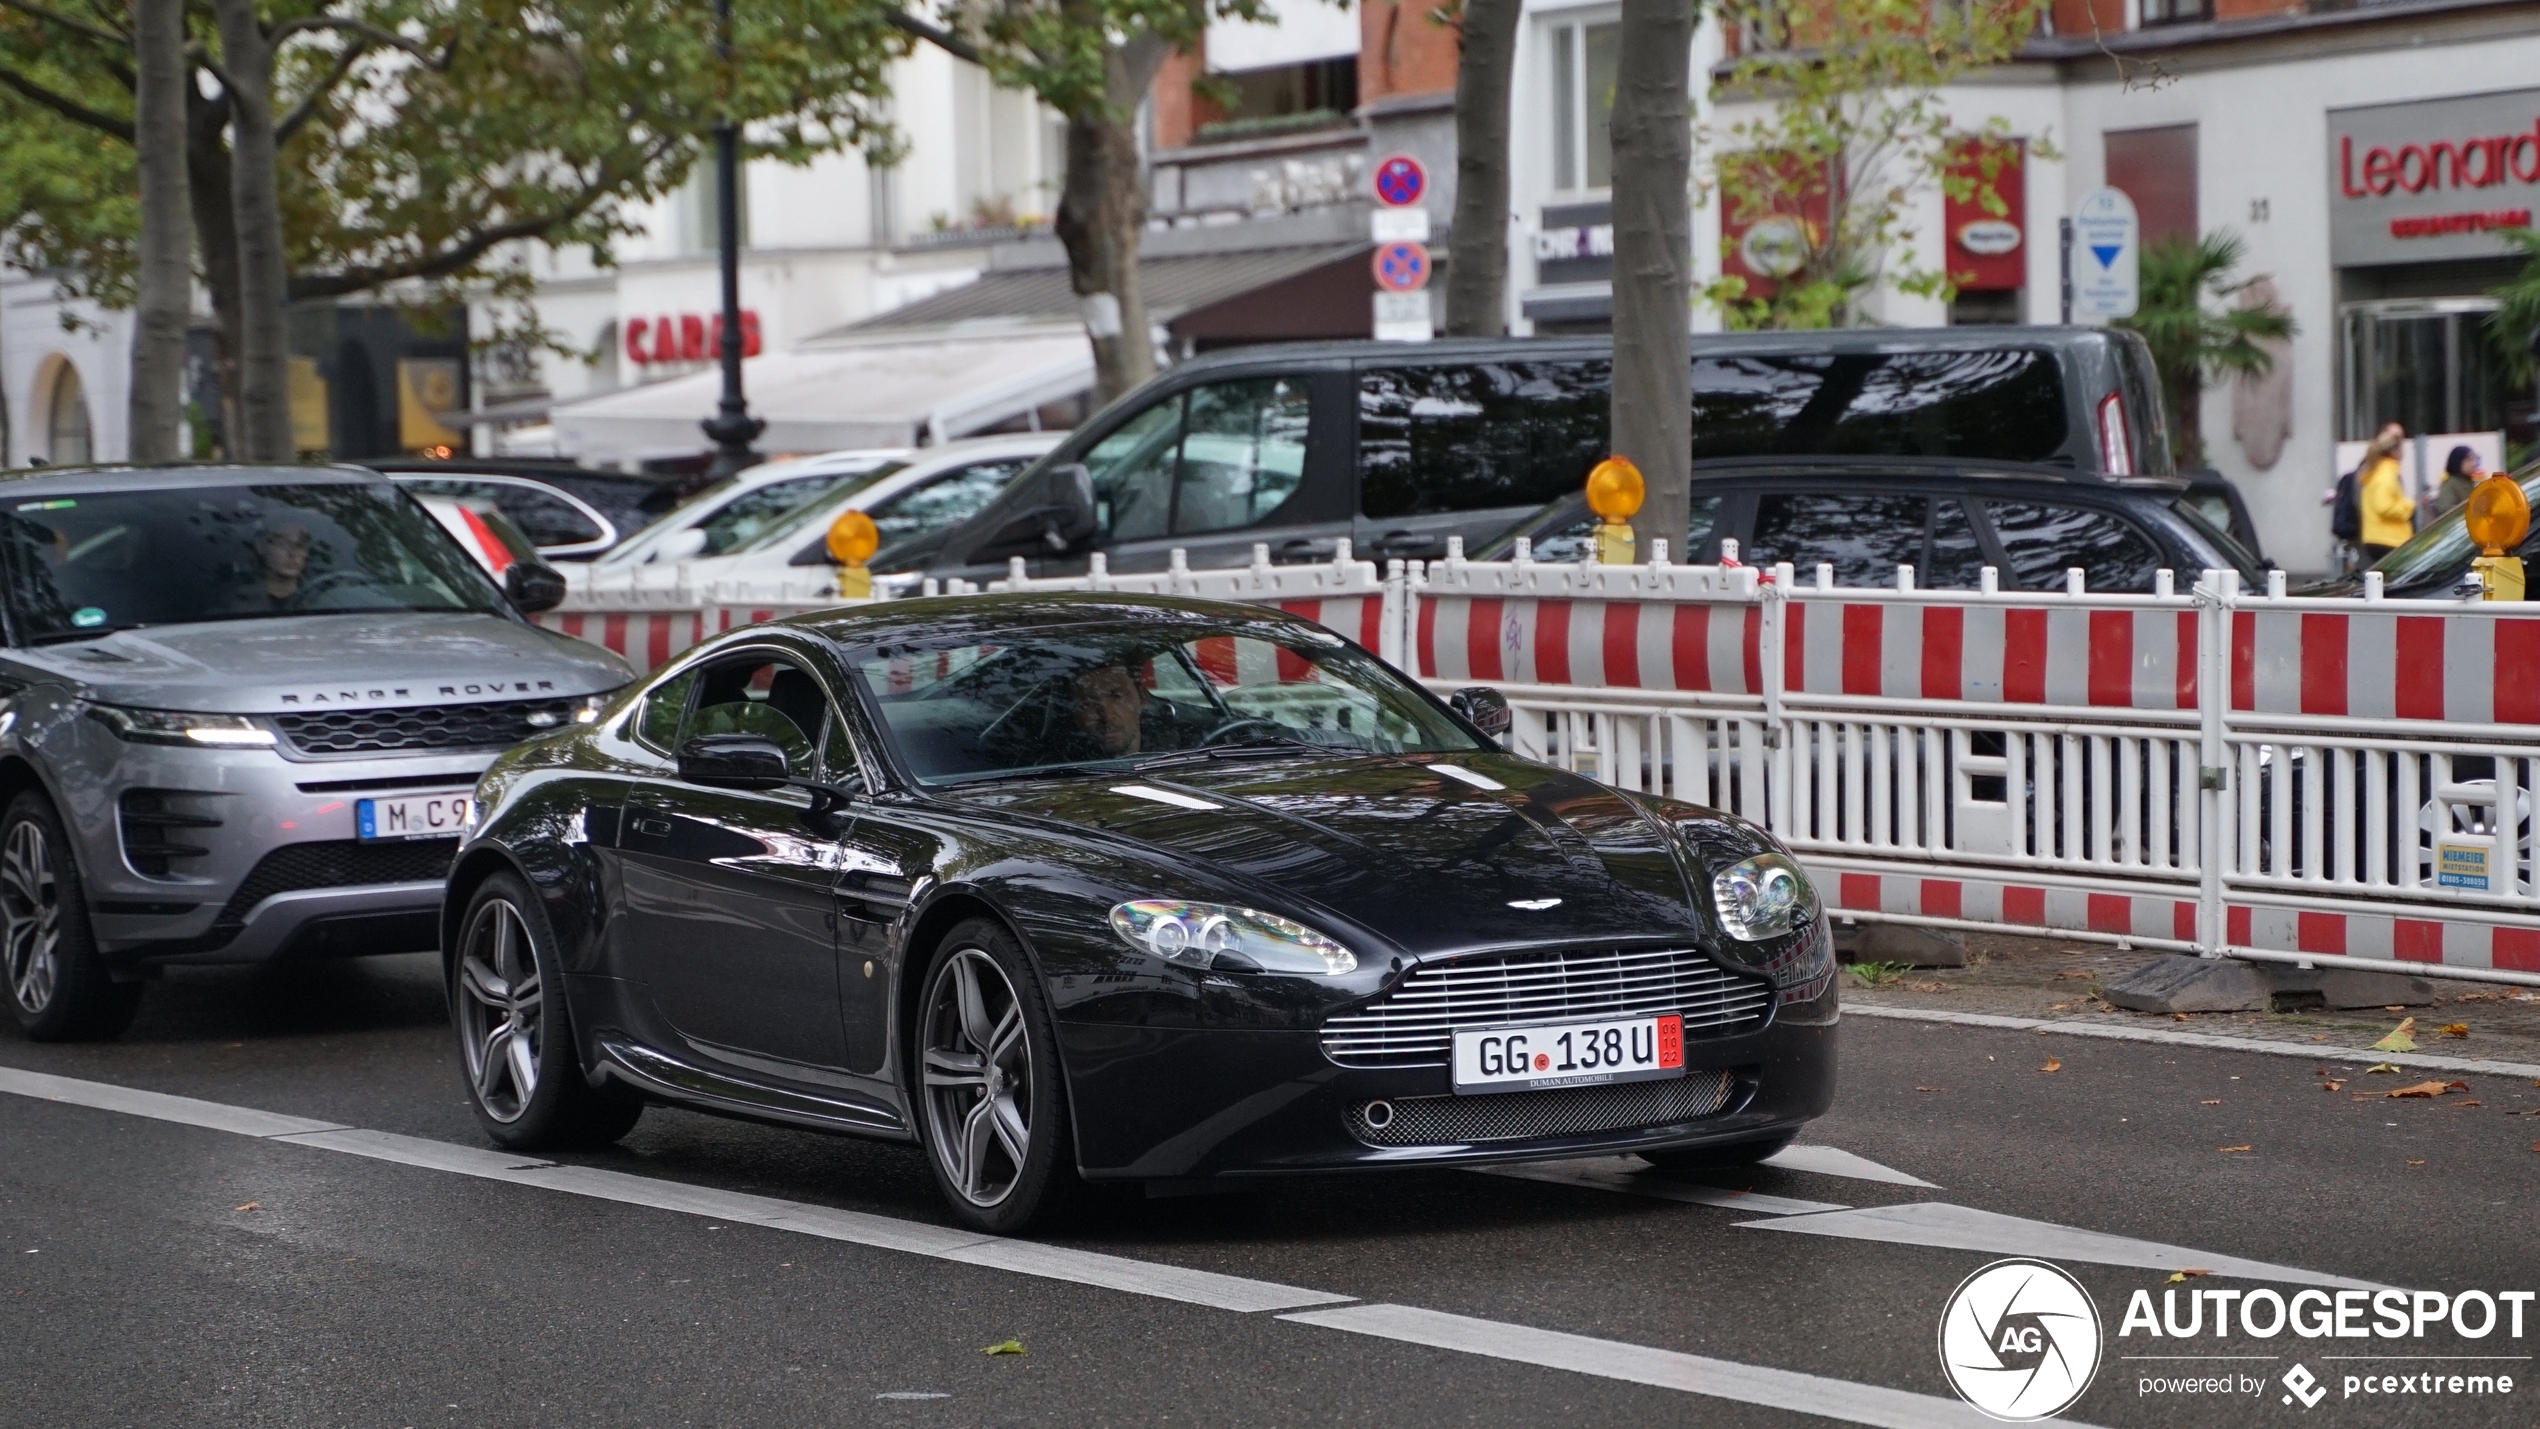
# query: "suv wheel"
[58,988]
[516,1044]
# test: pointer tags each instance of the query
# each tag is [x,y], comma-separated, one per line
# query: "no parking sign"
[1402,267]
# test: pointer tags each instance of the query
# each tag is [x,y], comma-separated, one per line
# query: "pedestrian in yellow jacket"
[2388,511]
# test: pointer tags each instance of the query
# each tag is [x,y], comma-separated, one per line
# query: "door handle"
[1304,550]
[1410,543]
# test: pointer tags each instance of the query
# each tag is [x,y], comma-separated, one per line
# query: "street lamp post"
[732,428]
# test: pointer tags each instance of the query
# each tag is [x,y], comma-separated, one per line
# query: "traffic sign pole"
[2064,232]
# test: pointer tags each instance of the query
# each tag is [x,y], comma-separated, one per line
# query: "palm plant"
[2194,344]
[2514,328]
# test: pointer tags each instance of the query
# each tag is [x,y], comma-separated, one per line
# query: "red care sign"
[688,337]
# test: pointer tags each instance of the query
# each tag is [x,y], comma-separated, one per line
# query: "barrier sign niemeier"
[2433,179]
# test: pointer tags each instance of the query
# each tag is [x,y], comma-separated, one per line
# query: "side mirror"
[1486,709]
[533,586]
[733,761]
[1055,516]
[680,545]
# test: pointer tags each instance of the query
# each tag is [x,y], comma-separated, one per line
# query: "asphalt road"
[159,1271]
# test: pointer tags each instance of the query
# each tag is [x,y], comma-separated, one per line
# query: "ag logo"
[2019,1340]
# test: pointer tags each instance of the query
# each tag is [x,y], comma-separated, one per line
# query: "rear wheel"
[1718,1158]
[516,1045]
[58,987]
[992,1103]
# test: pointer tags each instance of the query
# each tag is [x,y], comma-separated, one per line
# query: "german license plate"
[413,816]
[1570,1054]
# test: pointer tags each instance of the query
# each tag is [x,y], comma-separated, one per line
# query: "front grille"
[1526,1116]
[335,863]
[1415,1024]
[493,725]
[156,825]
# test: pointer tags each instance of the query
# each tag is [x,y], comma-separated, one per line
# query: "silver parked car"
[242,712]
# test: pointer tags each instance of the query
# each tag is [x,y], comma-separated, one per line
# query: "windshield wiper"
[1266,744]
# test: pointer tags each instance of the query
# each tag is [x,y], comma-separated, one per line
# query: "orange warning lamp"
[1615,492]
[2498,516]
[853,538]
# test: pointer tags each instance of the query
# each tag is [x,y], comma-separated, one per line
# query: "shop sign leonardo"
[2433,179]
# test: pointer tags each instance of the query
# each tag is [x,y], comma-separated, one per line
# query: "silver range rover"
[241,713]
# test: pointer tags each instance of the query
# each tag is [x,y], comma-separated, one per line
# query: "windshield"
[1110,700]
[83,565]
[2443,549]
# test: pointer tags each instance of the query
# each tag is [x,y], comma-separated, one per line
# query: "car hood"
[329,661]
[1426,860]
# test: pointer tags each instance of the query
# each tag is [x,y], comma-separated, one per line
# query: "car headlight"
[1764,897]
[1193,934]
[220,731]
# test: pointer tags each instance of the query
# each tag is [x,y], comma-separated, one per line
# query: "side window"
[954,496]
[1864,535]
[1570,544]
[837,755]
[1957,557]
[752,512]
[752,694]
[657,724]
[1243,453]
[2042,541]
[1132,470]
[544,517]
[1440,439]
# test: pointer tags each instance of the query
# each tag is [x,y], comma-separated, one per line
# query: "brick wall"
[1402,49]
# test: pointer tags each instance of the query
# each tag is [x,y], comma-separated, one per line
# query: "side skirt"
[659,1075]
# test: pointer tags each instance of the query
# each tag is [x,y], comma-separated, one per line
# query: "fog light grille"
[1560,1111]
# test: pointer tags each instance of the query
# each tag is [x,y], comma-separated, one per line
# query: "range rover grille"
[1415,1024]
[493,725]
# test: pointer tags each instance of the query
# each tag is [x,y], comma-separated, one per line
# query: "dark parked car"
[1121,889]
[1399,447]
[1948,520]
[572,513]
[2430,564]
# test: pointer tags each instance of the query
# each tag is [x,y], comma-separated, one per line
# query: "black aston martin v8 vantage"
[1107,888]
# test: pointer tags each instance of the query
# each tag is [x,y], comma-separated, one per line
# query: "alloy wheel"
[501,1007]
[977,1065]
[30,916]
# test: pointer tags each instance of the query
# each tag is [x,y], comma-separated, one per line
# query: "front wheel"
[58,987]
[992,1104]
[524,1077]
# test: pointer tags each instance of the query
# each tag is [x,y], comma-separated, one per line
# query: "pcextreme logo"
[2020,1340]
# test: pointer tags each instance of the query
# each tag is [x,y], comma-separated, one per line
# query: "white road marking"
[1948,1227]
[2317,1051]
[1610,1359]
[1835,1161]
[1665,1369]
[1630,1176]
[1163,796]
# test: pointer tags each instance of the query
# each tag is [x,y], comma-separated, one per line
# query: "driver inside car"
[284,554]
[1109,704]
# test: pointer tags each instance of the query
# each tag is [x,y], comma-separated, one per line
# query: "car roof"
[72,480]
[1828,341]
[933,618]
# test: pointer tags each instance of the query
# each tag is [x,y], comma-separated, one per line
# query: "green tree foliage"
[2514,328]
[1849,123]
[2197,334]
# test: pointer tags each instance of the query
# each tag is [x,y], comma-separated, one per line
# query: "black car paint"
[1174,1073]
[2094,363]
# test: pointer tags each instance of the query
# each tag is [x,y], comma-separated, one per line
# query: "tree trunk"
[1477,251]
[1653,263]
[264,369]
[166,276]
[1101,211]
[216,238]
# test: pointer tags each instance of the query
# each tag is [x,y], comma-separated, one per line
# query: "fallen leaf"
[1931,1089]
[1010,1347]
[2420,1089]
[2333,1084]
[2388,1067]
[2400,1007]
[2178,1017]
[2416,1163]
[2231,1148]
[251,1205]
[2473,1101]
[2456,1029]
[2365,1097]
[2059,1007]
[2535,1146]
[2319,1036]
[2401,1038]
[2052,1065]
[2215,1102]
[2178,1275]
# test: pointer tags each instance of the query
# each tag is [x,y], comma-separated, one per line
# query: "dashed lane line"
[2316,1051]
[1817,1395]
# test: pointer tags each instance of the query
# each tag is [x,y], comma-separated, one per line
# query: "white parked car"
[732,512]
[788,557]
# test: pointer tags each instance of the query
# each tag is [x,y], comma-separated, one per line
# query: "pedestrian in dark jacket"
[2461,472]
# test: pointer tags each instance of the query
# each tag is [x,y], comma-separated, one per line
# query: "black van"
[1399,446]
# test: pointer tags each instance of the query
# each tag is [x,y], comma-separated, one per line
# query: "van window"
[2043,541]
[1957,557]
[1864,535]
[1133,473]
[1574,542]
[1440,439]
[1216,458]
[2006,404]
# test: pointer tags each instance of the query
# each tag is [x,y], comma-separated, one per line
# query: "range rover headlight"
[179,727]
[1764,897]
[1194,934]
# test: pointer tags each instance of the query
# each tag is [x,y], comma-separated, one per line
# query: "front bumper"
[1211,1103]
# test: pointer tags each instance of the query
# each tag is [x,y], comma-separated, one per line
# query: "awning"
[1170,285]
[878,390]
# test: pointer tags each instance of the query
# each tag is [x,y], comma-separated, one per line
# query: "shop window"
[1584,54]
[1283,98]
[66,420]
